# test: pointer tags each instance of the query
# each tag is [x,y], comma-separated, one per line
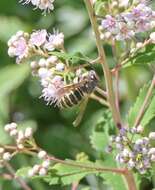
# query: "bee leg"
[79,117]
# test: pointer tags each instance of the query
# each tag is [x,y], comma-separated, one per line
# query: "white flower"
[7,156]
[139,45]
[28,132]
[123,3]
[13,132]
[1,150]
[42,62]
[20,136]
[18,45]
[46,5]
[60,66]
[152,37]
[34,65]
[46,164]
[36,168]
[56,40]
[31,173]
[152,136]
[152,151]
[10,126]
[42,172]
[44,73]
[42,154]
[140,129]
[20,146]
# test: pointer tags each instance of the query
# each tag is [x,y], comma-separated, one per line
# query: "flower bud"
[152,37]
[42,172]
[1,150]
[13,132]
[31,173]
[28,132]
[7,156]
[46,164]
[42,154]
[152,136]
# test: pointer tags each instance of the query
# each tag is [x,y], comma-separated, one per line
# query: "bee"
[73,94]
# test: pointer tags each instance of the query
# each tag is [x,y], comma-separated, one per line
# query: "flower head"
[45,5]
[18,45]
[38,38]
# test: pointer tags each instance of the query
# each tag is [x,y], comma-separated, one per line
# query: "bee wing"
[73,86]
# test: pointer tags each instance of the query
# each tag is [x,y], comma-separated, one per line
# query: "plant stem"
[106,70]
[89,167]
[130,180]
[145,103]
[18,179]
[75,186]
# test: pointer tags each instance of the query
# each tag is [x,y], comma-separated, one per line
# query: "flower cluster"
[4,156]
[20,136]
[126,25]
[135,151]
[40,169]
[54,73]
[45,5]
[7,152]
[37,48]
[23,45]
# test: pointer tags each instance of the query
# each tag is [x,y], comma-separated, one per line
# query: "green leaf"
[100,140]
[139,101]
[100,8]
[76,57]
[144,56]
[23,172]
[103,129]
[149,114]
[67,174]
[11,77]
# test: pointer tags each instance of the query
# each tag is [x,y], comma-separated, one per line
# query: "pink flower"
[38,38]
[18,45]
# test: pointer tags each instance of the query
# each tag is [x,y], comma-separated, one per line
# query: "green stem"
[18,179]
[85,166]
[106,70]
[145,103]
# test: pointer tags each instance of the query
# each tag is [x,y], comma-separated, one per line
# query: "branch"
[130,180]
[106,70]
[85,166]
[18,179]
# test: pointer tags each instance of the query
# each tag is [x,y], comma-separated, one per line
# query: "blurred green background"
[19,91]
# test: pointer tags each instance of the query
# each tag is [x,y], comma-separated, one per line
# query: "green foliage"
[144,56]
[103,129]
[100,7]
[150,111]
[73,58]
[23,172]
[149,114]
[66,174]
[100,139]
[139,101]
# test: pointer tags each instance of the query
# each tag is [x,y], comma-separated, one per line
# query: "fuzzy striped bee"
[73,94]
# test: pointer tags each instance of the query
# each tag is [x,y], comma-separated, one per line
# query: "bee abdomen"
[75,96]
